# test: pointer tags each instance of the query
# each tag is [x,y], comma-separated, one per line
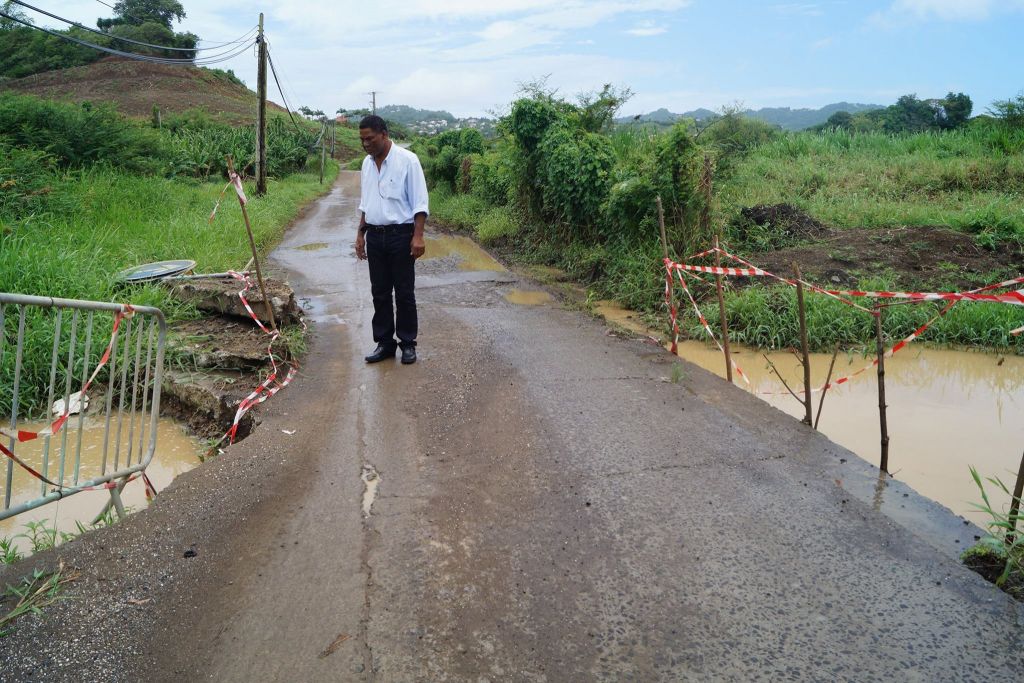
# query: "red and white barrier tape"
[700,316]
[1013,298]
[270,385]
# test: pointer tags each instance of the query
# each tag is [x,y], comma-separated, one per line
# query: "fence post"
[805,356]
[883,425]
[1018,491]
[722,320]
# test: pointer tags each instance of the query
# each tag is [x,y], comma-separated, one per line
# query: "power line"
[213,59]
[129,40]
[287,106]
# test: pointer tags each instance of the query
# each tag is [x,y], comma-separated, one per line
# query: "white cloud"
[822,44]
[646,28]
[902,12]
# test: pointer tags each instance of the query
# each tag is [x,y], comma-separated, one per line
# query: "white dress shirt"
[397,192]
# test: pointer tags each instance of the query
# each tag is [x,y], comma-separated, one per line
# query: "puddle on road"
[525,297]
[371,480]
[471,256]
[176,452]
[947,410]
[313,246]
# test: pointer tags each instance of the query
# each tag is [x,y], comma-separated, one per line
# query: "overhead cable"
[129,40]
[212,59]
[287,106]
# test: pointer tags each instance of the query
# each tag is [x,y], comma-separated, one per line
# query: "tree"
[1009,111]
[841,120]
[909,115]
[138,12]
[954,110]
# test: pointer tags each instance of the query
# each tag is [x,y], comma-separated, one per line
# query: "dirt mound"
[912,255]
[135,87]
[785,219]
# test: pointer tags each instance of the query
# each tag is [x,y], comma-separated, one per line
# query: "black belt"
[395,227]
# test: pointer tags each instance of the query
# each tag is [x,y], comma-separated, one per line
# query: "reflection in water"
[947,410]
[526,297]
[471,256]
[313,246]
[176,452]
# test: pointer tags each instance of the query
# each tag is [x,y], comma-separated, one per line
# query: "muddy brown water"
[176,452]
[947,410]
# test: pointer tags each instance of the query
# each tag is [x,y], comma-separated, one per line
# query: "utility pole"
[373,101]
[261,113]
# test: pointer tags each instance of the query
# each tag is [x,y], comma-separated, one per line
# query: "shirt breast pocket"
[393,187]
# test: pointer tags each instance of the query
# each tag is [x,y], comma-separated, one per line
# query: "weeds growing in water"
[33,593]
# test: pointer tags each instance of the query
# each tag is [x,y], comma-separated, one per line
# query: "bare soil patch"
[923,255]
[136,87]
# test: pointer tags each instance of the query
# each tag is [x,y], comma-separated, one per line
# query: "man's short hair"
[374,123]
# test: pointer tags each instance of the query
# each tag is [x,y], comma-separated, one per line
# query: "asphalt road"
[543,505]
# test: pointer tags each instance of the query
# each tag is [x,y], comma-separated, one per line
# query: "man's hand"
[418,246]
[360,246]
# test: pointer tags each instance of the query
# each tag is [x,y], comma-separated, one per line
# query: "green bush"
[80,135]
[576,172]
[26,182]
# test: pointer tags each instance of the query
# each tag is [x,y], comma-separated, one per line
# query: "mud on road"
[534,500]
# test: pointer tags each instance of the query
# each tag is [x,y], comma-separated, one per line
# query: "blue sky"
[470,56]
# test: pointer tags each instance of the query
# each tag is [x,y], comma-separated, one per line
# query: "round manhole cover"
[155,271]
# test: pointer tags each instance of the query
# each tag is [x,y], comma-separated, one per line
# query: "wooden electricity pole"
[261,113]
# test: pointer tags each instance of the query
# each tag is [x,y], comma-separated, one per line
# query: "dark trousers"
[392,270]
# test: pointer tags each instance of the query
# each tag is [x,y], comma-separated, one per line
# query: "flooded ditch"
[176,452]
[947,410]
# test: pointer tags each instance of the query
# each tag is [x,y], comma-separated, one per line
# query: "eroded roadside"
[547,507]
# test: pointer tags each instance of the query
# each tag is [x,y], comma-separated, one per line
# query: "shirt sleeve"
[363,185]
[416,186]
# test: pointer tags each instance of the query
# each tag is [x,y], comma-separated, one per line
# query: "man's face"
[373,142]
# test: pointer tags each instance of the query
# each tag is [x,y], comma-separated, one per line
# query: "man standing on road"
[393,206]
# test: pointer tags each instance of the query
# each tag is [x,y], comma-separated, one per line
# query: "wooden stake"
[1018,491]
[661,224]
[722,320]
[805,358]
[824,390]
[255,256]
[883,425]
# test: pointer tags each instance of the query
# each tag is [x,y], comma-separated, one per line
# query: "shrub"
[80,135]
[576,169]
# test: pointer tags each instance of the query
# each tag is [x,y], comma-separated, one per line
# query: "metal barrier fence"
[120,355]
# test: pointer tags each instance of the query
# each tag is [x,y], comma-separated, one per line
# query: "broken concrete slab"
[224,343]
[221,296]
[207,401]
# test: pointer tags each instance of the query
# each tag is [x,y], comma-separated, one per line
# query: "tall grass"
[766,317]
[110,220]
[971,179]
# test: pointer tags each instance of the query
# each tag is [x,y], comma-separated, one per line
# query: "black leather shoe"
[408,355]
[381,353]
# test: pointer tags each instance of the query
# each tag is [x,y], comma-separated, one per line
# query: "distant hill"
[784,117]
[407,115]
[134,87]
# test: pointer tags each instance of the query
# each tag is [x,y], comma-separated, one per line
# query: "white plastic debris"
[77,401]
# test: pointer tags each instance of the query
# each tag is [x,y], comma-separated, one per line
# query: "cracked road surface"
[532,501]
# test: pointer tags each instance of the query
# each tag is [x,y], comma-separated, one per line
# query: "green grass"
[972,180]
[766,317]
[110,220]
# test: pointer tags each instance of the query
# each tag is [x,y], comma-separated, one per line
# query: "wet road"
[544,504]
